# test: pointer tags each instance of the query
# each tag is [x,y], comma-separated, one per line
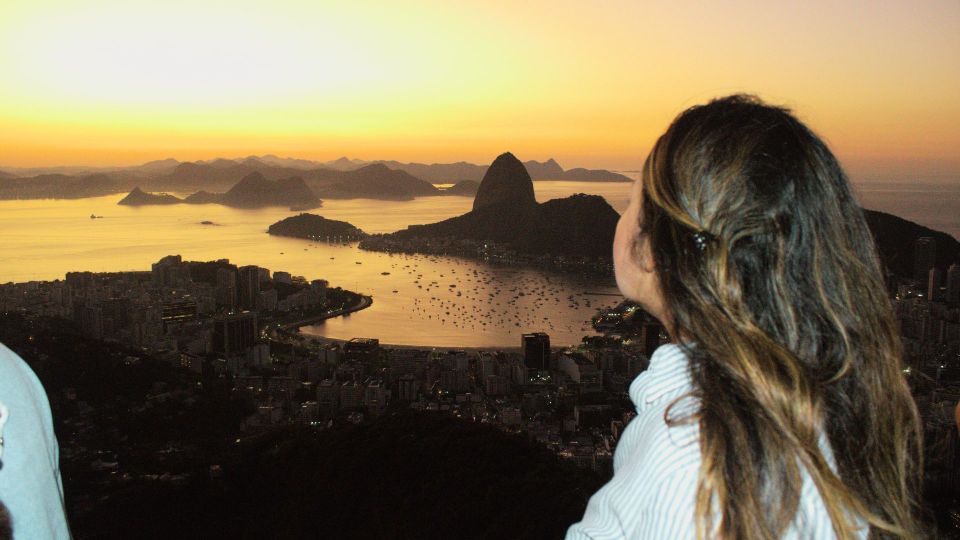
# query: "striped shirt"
[653,490]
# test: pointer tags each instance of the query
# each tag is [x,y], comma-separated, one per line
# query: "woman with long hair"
[779,409]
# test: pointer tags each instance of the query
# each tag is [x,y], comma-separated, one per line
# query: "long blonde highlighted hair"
[767,266]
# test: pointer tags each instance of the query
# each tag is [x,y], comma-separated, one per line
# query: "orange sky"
[592,84]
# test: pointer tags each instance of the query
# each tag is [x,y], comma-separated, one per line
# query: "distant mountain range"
[220,174]
[61,186]
[453,172]
[376,181]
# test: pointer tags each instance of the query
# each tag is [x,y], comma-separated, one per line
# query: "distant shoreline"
[364,303]
[324,339]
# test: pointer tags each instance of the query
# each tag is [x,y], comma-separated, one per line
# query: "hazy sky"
[589,83]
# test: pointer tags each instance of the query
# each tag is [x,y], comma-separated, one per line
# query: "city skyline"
[592,86]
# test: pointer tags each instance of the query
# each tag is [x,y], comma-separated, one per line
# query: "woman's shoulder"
[656,463]
[664,435]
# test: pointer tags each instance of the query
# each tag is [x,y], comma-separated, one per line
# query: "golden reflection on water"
[44,239]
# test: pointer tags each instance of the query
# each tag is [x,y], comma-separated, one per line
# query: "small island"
[318,228]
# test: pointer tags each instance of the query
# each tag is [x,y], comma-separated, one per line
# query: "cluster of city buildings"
[180,310]
[239,324]
[927,308]
[572,399]
[235,323]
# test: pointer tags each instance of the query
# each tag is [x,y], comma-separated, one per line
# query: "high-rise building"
[79,280]
[248,287]
[934,277]
[375,397]
[234,333]
[351,395]
[496,385]
[177,312]
[581,371]
[536,351]
[226,290]
[488,365]
[328,398]
[953,284]
[363,350]
[650,336]
[407,387]
[268,300]
[170,272]
[90,319]
[924,257]
[116,315]
[157,268]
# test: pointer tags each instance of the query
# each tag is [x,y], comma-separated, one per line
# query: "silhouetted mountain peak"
[506,181]
[375,167]
[255,190]
[294,182]
[138,197]
[254,179]
[222,163]
[548,170]
[187,166]
[159,165]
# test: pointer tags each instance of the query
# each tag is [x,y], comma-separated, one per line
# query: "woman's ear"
[643,253]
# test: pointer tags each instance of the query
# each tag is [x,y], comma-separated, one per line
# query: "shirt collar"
[668,371]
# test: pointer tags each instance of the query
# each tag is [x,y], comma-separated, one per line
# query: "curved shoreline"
[364,303]
[324,339]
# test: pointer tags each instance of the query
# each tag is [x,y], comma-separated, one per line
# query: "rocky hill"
[505,182]
[203,197]
[254,191]
[377,181]
[505,211]
[138,197]
[896,237]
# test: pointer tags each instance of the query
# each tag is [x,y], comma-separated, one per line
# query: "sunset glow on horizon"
[591,84]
